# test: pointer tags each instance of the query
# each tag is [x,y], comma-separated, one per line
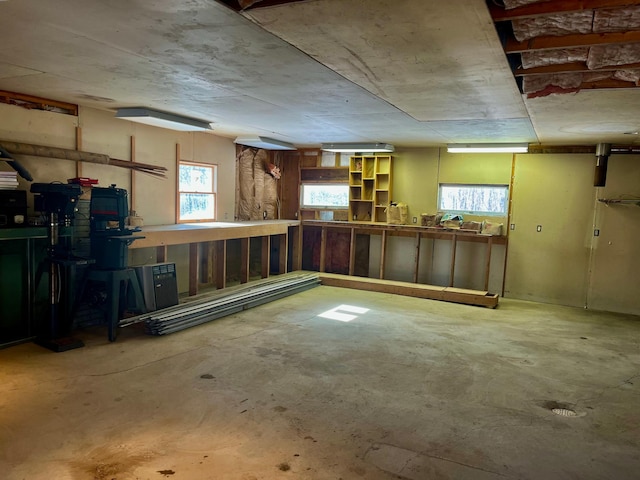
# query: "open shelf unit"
[369,187]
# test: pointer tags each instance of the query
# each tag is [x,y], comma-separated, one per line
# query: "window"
[474,199]
[325,196]
[197,192]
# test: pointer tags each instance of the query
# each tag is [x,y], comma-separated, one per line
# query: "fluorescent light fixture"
[488,148]
[264,142]
[357,147]
[162,119]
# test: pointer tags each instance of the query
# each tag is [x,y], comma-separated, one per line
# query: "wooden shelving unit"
[369,187]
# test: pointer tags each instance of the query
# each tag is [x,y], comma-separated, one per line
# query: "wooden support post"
[352,252]
[206,262]
[78,147]
[284,253]
[221,263]
[416,266]
[383,253]
[265,261]
[178,183]
[193,269]
[296,243]
[132,193]
[244,260]
[487,267]
[454,244]
[161,253]
[323,248]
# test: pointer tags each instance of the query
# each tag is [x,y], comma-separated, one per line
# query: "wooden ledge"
[431,292]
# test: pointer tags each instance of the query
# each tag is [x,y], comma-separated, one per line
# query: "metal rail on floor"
[197,312]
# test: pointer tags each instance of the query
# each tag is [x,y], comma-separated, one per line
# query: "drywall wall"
[556,193]
[615,262]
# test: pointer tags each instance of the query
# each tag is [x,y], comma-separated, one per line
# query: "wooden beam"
[296,242]
[193,268]
[575,67]
[221,263]
[432,292]
[177,185]
[454,244]
[500,14]
[132,193]
[417,257]
[352,251]
[383,253]
[79,148]
[570,41]
[323,248]
[283,253]
[161,253]
[265,260]
[244,260]
[487,264]
[20,99]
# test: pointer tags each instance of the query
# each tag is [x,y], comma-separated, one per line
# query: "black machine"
[110,239]
[57,201]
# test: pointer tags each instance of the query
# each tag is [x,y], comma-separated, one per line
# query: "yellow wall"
[564,263]
[154,198]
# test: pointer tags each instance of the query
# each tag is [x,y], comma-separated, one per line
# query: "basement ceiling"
[408,72]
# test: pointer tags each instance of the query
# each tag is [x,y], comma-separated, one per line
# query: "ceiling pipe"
[603,150]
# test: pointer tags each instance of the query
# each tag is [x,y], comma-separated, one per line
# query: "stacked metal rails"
[223,303]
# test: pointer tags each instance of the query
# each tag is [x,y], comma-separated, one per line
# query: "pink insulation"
[594,57]
[541,58]
[553,25]
[509,4]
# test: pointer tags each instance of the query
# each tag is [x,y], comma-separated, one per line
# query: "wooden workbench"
[215,235]
[415,231]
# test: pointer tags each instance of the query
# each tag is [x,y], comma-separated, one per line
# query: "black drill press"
[57,201]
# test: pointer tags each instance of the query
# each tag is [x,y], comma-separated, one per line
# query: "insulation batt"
[509,4]
[609,55]
[553,25]
[554,57]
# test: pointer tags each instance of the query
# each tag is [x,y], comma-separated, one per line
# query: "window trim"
[503,186]
[214,193]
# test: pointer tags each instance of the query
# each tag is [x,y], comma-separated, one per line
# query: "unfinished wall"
[257,190]
[152,198]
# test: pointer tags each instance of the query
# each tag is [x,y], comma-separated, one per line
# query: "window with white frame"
[330,196]
[197,184]
[489,200]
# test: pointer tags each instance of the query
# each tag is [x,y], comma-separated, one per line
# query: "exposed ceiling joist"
[571,41]
[500,14]
[575,67]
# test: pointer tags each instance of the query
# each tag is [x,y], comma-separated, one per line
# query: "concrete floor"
[411,389]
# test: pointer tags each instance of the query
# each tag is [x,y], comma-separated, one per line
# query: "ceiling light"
[264,142]
[162,119]
[488,148]
[357,147]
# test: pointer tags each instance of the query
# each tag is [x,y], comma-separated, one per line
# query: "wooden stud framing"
[352,251]
[454,244]
[571,41]
[244,259]
[296,233]
[79,148]
[282,253]
[383,253]
[177,182]
[417,262]
[221,263]
[323,248]
[132,179]
[161,253]
[499,14]
[487,265]
[266,256]
[193,268]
